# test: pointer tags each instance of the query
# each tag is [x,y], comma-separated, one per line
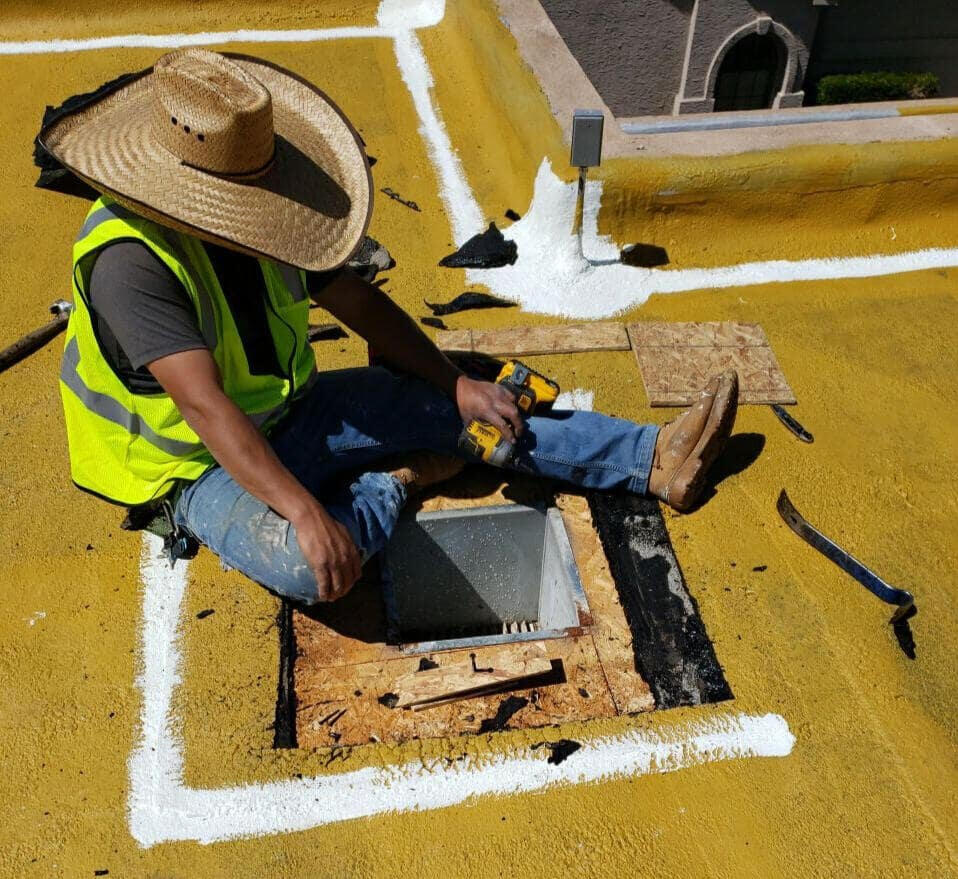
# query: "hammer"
[35,340]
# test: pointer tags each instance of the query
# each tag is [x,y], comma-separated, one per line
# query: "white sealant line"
[204,38]
[551,275]
[465,218]
[162,809]
[393,16]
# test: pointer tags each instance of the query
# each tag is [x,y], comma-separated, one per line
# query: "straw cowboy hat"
[228,148]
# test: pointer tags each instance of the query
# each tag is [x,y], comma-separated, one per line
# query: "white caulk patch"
[405,15]
[578,399]
[36,617]
[552,276]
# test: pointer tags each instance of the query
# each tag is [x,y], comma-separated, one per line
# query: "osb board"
[340,706]
[451,681]
[610,628]
[343,666]
[677,360]
[559,339]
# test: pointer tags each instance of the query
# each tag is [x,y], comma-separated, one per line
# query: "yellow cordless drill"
[483,441]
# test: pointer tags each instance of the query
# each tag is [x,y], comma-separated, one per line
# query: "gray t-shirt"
[141,312]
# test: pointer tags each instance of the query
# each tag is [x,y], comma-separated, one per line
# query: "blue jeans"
[348,422]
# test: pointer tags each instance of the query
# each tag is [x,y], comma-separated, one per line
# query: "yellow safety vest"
[131,448]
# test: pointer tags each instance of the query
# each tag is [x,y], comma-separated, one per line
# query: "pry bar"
[905,601]
[792,424]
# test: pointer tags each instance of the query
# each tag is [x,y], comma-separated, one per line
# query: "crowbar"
[36,339]
[848,563]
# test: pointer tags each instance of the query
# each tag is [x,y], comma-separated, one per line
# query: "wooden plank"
[558,339]
[610,628]
[461,680]
[322,693]
[677,360]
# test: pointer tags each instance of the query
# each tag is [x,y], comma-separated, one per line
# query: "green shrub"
[857,88]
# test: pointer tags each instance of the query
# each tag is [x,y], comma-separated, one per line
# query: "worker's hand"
[330,551]
[489,402]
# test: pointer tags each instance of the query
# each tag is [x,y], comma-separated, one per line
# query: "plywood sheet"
[465,679]
[558,339]
[610,628]
[677,360]
[342,706]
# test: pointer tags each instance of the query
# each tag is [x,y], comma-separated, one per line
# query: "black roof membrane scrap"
[507,708]
[644,256]
[395,196]
[325,332]
[558,751]
[466,301]
[371,258]
[487,250]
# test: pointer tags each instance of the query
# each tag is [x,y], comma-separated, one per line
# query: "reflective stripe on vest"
[132,447]
[108,408]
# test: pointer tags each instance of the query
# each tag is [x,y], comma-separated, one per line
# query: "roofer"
[231,192]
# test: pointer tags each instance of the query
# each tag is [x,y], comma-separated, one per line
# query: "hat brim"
[310,208]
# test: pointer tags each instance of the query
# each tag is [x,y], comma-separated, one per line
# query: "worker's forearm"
[244,453]
[395,335]
[391,332]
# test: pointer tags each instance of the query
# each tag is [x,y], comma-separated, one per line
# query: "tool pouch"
[157,518]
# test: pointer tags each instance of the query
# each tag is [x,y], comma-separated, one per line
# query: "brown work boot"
[688,446]
[416,470]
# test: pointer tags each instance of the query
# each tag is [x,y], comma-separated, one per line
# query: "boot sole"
[715,434]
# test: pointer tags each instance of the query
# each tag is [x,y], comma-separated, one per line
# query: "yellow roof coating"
[867,788]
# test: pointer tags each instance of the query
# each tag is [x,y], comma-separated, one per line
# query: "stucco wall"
[717,20]
[631,51]
[859,35]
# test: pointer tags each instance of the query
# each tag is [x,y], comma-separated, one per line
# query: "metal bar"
[792,424]
[33,341]
[847,562]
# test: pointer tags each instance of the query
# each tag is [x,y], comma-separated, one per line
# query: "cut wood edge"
[459,682]
[532,340]
[744,399]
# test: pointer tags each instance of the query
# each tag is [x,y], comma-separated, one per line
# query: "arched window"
[751,73]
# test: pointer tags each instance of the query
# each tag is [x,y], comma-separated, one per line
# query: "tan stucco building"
[672,57]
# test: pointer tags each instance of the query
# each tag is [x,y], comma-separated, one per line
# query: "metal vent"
[487,575]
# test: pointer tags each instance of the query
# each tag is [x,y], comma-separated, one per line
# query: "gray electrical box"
[587,138]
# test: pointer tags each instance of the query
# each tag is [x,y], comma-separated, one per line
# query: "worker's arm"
[395,335]
[192,380]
